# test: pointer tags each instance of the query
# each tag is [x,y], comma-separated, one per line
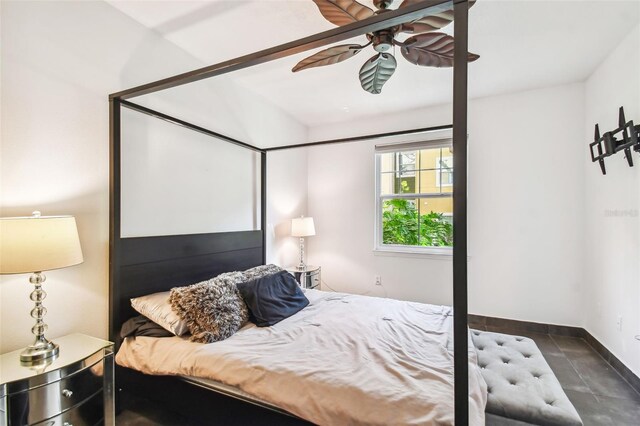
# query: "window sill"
[437,253]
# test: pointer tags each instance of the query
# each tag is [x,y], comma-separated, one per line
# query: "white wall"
[287,195]
[613,209]
[60,60]
[341,201]
[177,181]
[525,201]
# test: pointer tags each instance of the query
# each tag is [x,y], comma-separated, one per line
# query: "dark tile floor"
[599,393]
[142,412]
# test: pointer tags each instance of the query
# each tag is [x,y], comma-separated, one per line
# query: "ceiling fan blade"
[329,56]
[377,71]
[431,50]
[343,12]
[428,23]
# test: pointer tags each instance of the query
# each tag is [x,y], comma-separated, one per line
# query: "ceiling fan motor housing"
[382,40]
[382,4]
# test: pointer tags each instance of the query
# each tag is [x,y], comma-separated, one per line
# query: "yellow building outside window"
[415,202]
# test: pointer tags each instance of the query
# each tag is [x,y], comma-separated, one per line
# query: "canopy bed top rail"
[179,122]
[374,23]
[186,124]
[363,138]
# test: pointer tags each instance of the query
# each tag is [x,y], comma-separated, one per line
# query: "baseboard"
[535,327]
[617,365]
[559,330]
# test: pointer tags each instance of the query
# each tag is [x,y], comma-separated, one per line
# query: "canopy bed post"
[460,333]
[263,204]
[114,215]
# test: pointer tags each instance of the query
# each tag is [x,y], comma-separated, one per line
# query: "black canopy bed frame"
[144,265]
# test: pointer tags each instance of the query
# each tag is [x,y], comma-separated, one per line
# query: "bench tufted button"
[519,339]
[527,356]
[549,403]
[505,361]
[480,349]
[500,343]
[512,383]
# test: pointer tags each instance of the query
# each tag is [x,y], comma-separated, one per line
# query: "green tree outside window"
[403,225]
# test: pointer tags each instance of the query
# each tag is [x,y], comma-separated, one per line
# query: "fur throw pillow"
[261,271]
[214,309]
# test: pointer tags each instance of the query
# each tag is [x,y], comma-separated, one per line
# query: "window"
[414,192]
[444,171]
[405,169]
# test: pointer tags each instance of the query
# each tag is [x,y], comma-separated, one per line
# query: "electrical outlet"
[378,280]
[619,323]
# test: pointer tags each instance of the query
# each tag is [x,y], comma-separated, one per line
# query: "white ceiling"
[523,45]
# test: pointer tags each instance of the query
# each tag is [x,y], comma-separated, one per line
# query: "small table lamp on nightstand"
[302,227]
[35,244]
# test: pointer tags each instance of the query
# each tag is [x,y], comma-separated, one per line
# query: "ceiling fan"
[426,47]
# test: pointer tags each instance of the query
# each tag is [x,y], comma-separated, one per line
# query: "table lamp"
[31,245]
[302,227]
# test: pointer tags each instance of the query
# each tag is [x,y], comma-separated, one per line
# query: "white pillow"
[157,308]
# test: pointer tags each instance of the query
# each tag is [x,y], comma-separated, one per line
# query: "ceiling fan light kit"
[382,40]
[426,48]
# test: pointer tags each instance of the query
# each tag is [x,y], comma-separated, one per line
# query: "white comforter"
[343,360]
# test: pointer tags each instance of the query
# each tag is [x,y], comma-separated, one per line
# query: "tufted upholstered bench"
[520,383]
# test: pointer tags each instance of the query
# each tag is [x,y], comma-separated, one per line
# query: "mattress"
[344,359]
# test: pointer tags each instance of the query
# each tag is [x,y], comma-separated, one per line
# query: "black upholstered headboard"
[148,265]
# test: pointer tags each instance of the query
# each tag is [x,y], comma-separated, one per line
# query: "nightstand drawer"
[50,400]
[87,414]
[314,280]
[307,278]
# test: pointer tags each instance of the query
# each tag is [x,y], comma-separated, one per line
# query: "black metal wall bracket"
[607,144]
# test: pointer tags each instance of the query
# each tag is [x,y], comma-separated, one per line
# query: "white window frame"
[439,171]
[439,140]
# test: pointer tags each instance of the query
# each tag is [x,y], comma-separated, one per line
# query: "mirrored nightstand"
[308,278]
[74,389]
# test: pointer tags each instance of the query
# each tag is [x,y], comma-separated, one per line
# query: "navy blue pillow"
[273,298]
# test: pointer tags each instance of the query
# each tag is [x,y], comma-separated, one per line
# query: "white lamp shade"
[35,244]
[302,227]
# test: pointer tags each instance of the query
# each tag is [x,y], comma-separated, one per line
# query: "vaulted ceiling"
[523,45]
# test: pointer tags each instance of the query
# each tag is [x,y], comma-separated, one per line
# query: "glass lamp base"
[302,266]
[37,353]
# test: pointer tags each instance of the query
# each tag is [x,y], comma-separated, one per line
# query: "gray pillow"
[157,308]
[213,310]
